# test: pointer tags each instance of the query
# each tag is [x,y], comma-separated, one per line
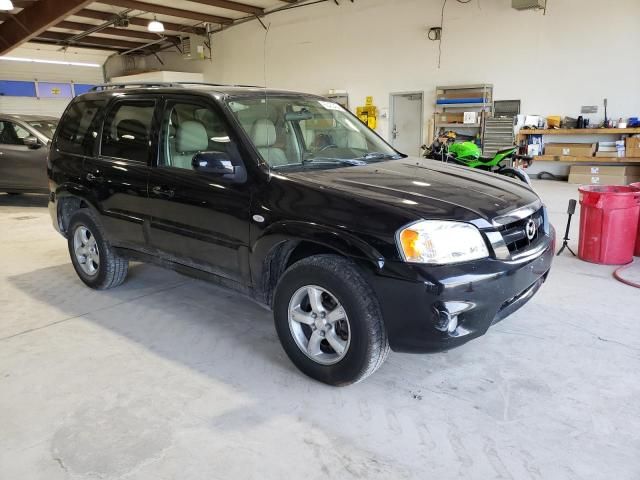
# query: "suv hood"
[428,188]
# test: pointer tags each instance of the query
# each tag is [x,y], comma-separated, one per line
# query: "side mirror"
[214,163]
[31,142]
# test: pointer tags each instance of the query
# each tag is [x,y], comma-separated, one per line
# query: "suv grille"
[515,234]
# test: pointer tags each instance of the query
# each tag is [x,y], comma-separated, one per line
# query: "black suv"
[290,199]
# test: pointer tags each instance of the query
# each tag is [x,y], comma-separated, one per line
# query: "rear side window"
[78,130]
[12,133]
[127,131]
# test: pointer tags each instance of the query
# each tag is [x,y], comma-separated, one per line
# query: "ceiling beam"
[32,21]
[140,22]
[238,7]
[23,3]
[119,32]
[173,12]
[62,38]
[46,41]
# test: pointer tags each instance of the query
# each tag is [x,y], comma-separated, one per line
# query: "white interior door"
[406,122]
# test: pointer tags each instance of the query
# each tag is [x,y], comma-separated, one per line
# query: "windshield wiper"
[379,156]
[334,161]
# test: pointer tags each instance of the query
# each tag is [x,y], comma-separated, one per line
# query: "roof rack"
[113,86]
[107,86]
[220,84]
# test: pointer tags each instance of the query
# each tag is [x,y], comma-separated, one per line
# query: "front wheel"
[329,321]
[516,174]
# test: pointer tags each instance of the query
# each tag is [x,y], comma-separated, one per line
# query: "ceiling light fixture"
[6,5]
[53,62]
[154,26]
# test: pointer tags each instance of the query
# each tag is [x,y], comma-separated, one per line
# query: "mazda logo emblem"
[531,229]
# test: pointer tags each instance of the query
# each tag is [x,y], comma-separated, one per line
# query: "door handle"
[164,192]
[92,178]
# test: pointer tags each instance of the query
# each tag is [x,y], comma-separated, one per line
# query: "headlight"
[440,242]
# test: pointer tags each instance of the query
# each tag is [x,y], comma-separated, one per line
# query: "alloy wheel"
[86,250]
[319,325]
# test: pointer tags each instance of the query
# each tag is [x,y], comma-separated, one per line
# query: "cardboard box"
[608,170]
[608,154]
[633,146]
[451,118]
[570,149]
[583,179]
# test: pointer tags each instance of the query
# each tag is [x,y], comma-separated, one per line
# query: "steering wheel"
[331,145]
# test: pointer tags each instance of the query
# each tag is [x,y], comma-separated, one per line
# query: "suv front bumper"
[419,302]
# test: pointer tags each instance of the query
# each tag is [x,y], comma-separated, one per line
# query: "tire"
[515,174]
[361,331]
[102,267]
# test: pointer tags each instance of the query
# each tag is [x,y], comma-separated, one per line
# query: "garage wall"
[10,70]
[579,53]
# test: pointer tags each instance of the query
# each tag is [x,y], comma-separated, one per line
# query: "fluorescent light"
[155,26]
[53,62]
[6,5]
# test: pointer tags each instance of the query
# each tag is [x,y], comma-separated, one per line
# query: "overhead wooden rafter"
[98,42]
[34,20]
[140,22]
[23,3]
[235,6]
[173,12]
[118,32]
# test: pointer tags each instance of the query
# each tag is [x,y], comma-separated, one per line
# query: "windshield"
[304,132]
[46,127]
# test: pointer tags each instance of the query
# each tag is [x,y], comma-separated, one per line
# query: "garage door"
[54,98]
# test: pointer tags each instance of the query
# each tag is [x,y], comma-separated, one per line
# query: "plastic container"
[608,223]
[637,250]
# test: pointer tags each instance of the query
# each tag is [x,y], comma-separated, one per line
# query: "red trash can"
[608,224]
[637,250]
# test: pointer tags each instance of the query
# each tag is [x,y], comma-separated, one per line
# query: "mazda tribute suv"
[290,199]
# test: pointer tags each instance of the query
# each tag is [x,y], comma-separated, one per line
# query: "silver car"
[24,143]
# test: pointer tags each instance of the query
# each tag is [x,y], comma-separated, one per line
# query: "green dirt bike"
[468,154]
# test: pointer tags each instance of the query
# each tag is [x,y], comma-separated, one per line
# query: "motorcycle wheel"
[517,174]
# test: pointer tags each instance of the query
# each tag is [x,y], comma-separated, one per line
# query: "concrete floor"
[171,378]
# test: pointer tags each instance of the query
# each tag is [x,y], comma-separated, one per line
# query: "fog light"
[444,321]
[446,315]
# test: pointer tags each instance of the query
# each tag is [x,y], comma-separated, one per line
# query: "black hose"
[551,176]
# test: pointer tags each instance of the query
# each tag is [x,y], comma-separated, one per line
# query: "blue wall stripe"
[81,88]
[13,88]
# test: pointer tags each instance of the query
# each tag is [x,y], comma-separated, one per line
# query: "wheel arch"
[68,202]
[282,246]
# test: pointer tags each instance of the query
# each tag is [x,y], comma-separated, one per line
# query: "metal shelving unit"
[459,93]
[498,134]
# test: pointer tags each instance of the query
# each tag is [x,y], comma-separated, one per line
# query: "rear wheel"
[516,174]
[95,262]
[329,321]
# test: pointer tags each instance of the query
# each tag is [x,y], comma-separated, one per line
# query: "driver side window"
[189,129]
